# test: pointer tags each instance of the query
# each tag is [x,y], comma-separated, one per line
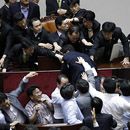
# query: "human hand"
[4,70]
[31,74]
[80,60]
[84,76]
[13,124]
[1,62]
[93,115]
[92,58]
[61,11]
[38,107]
[57,48]
[125,61]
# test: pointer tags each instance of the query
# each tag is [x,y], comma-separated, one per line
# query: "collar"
[59,33]
[6,5]
[24,8]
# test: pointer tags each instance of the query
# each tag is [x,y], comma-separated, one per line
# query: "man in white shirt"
[112,103]
[71,111]
[57,98]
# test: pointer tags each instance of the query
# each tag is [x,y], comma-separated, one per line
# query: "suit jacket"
[52,6]
[18,34]
[5,38]
[16,55]
[13,97]
[54,37]
[42,37]
[16,7]
[4,126]
[108,44]
[78,46]
[84,103]
[105,121]
[4,10]
[95,28]
[71,68]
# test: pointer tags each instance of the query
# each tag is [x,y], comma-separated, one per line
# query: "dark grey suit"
[13,97]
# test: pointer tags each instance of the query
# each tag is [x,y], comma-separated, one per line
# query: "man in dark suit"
[72,37]
[106,40]
[70,67]
[61,26]
[20,28]
[38,34]
[25,55]
[56,7]
[11,107]
[29,9]
[105,121]
[5,9]
[5,39]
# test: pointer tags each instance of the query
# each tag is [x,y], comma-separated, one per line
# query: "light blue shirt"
[71,112]
[25,11]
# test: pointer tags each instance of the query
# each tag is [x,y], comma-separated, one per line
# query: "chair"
[49,26]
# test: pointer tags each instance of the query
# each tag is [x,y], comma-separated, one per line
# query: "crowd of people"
[81,96]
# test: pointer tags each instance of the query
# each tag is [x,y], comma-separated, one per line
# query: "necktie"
[59,3]
[25,58]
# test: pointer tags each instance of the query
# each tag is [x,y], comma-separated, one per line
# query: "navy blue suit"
[71,68]
[105,121]
[34,11]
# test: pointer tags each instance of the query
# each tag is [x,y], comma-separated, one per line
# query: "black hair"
[82,85]
[18,17]
[74,29]
[84,128]
[108,27]
[31,89]
[67,91]
[97,104]
[73,2]
[89,15]
[59,20]
[26,43]
[109,85]
[3,97]
[125,87]
[66,48]
[30,127]
[58,80]
[33,20]
[6,1]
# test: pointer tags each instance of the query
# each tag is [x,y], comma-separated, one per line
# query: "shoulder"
[31,4]
[17,4]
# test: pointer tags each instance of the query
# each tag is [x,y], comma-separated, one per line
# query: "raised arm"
[23,84]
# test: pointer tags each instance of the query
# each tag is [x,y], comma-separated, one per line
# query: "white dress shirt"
[71,111]
[56,100]
[112,103]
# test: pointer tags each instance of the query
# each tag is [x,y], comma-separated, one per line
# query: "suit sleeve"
[20,88]
[10,16]
[9,57]
[95,46]
[8,42]
[4,126]
[125,43]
